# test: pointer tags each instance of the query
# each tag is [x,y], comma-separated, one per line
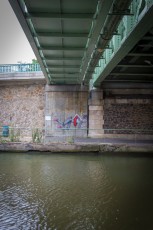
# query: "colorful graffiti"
[77,121]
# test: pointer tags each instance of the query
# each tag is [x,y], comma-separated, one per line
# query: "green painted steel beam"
[121,13]
[62,73]
[65,82]
[66,77]
[118,11]
[62,58]
[61,35]
[64,48]
[132,38]
[20,14]
[63,66]
[135,66]
[109,24]
[133,80]
[131,74]
[147,38]
[141,54]
[100,21]
[59,15]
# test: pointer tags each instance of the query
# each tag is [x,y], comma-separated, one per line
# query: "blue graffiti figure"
[65,124]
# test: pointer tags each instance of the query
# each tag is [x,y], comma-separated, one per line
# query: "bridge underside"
[98,43]
[135,70]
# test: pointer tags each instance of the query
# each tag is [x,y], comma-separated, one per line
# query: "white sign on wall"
[48,118]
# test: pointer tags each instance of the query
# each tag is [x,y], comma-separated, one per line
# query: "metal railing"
[40,135]
[21,134]
[19,68]
[138,9]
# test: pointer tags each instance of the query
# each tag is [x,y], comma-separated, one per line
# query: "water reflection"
[75,192]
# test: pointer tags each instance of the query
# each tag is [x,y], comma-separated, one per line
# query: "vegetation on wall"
[14,134]
[37,135]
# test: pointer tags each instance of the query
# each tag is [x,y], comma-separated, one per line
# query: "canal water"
[78,192]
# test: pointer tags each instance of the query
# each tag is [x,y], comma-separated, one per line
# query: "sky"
[14,46]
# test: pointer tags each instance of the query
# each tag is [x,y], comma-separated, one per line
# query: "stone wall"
[132,111]
[22,106]
[66,111]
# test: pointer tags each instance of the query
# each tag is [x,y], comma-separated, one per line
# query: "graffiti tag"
[77,121]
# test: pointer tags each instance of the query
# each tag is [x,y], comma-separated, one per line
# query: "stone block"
[95,113]
[94,102]
[96,107]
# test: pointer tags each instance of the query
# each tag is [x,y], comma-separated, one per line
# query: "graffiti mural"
[77,121]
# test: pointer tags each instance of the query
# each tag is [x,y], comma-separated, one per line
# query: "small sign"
[48,118]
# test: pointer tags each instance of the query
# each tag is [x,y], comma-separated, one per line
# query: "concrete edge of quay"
[76,148]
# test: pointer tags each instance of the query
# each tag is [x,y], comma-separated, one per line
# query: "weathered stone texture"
[22,106]
[78,148]
[128,114]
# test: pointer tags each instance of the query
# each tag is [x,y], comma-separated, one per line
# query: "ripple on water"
[56,194]
[64,192]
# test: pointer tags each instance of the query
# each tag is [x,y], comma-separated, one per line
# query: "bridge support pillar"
[95,109]
[65,112]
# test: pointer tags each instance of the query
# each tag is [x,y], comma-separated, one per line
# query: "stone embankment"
[76,147]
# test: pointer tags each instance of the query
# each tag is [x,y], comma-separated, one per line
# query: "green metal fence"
[39,135]
[128,24]
[22,134]
[19,68]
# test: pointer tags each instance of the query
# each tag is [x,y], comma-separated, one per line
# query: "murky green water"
[42,191]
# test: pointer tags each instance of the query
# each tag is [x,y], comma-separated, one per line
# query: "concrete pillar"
[96,120]
[65,112]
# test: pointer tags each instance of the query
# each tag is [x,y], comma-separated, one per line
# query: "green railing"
[19,68]
[41,135]
[138,9]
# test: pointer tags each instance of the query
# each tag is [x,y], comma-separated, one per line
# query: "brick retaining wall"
[133,113]
[22,106]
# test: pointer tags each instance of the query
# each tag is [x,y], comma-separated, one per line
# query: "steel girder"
[131,29]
